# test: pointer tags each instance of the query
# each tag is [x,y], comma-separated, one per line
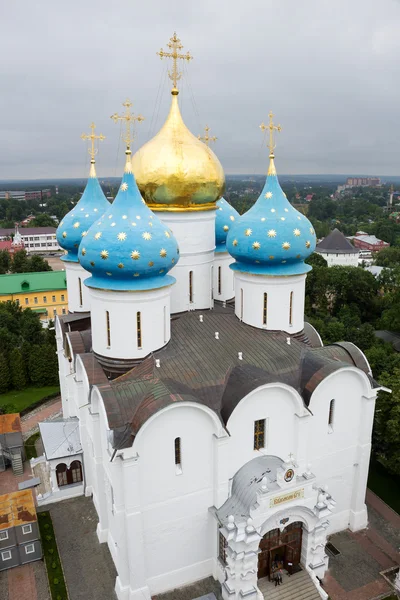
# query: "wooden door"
[263,559]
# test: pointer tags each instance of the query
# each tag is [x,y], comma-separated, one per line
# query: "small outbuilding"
[336,249]
[11,443]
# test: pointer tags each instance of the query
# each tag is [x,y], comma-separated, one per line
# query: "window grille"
[219,280]
[177,446]
[259,434]
[80,291]
[191,286]
[331,413]
[108,329]
[222,545]
[139,329]
[291,309]
[265,305]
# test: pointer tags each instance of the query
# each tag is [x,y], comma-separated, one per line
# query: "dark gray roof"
[29,231]
[336,242]
[390,337]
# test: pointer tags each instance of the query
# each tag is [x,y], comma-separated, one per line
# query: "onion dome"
[129,248]
[271,238]
[225,218]
[75,225]
[175,171]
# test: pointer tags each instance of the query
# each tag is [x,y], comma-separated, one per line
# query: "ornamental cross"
[207,139]
[92,137]
[271,145]
[130,119]
[175,45]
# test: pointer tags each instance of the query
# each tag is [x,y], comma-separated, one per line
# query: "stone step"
[296,587]
[17,464]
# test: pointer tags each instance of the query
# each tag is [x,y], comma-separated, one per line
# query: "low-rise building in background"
[336,249]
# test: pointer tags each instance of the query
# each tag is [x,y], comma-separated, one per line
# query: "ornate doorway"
[280,550]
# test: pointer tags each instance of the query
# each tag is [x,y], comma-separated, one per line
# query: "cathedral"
[219,436]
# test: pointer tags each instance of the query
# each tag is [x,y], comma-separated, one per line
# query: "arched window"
[76,471]
[177,446]
[61,473]
[265,305]
[191,287]
[108,329]
[331,415]
[80,291]
[219,280]
[139,329]
[291,309]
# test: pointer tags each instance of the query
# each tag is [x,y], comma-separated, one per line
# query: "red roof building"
[369,242]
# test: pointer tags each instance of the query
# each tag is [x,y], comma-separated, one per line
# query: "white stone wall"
[344,260]
[223,278]
[123,307]
[195,233]
[285,301]
[76,291]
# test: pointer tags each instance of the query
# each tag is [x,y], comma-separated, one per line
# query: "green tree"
[4,262]
[37,264]
[388,257]
[43,220]
[43,369]
[17,369]
[20,262]
[4,374]
[386,432]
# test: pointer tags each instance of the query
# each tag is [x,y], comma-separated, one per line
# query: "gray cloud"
[328,70]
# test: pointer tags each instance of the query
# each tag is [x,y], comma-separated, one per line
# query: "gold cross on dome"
[92,137]
[174,45]
[207,139]
[271,144]
[129,119]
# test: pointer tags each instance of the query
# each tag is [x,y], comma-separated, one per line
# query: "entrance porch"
[293,587]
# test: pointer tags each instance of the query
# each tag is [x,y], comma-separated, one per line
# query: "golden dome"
[175,171]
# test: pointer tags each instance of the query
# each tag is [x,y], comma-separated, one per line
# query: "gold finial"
[271,144]
[130,119]
[175,45]
[207,139]
[92,150]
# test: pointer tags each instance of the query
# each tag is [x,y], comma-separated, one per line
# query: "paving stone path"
[48,411]
[28,582]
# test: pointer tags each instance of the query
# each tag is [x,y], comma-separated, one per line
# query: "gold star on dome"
[151,263]
[232,218]
[220,208]
[92,263]
[87,215]
[104,254]
[296,232]
[146,235]
[135,254]
[248,232]
[64,234]
[112,224]
[167,234]
[95,209]
[272,233]
[271,257]
[124,187]
[161,271]
[234,243]
[298,255]
[83,233]
[83,251]
[262,219]
[308,244]
[62,223]
[150,224]
[256,245]
[76,225]
[136,274]
[172,260]
[120,265]
[311,231]
[268,195]
[286,210]
[226,228]
[121,236]
[163,253]
[97,235]
[286,245]
[273,210]
[282,218]
[124,217]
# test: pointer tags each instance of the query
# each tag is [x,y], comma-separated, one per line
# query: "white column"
[195,233]
[224,288]
[282,297]
[78,293]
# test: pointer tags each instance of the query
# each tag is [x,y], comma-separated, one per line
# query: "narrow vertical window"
[165,325]
[80,291]
[178,457]
[222,544]
[259,434]
[265,305]
[139,329]
[108,328]
[331,415]
[241,304]
[291,309]
[219,280]
[190,286]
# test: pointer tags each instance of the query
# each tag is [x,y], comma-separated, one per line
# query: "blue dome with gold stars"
[129,248]
[272,238]
[75,225]
[225,217]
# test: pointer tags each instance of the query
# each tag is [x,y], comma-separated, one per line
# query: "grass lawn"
[23,398]
[30,449]
[385,485]
[53,564]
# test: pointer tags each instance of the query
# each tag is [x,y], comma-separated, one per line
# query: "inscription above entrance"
[286,498]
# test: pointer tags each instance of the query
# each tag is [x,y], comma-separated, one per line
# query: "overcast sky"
[328,69]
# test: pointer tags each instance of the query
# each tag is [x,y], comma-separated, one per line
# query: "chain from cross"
[271,127]
[130,120]
[175,45]
[92,137]
[207,139]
